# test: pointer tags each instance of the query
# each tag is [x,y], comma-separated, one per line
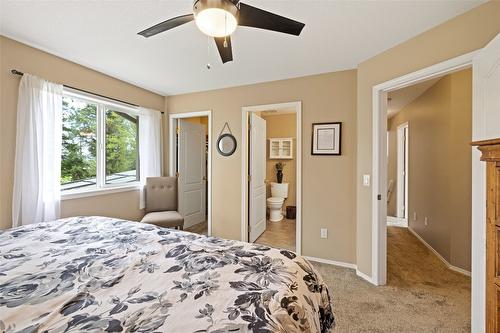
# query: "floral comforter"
[107,275]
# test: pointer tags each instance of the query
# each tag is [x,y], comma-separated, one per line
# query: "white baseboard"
[397,222]
[450,266]
[365,277]
[332,262]
[342,264]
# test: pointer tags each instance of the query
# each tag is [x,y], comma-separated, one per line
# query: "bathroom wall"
[282,126]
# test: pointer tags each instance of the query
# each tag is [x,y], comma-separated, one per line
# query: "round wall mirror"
[226,144]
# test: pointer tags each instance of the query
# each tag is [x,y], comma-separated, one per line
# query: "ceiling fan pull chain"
[208,53]
[225,31]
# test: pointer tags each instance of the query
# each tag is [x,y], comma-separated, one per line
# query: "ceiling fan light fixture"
[216,18]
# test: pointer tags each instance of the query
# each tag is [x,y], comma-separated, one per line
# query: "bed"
[108,275]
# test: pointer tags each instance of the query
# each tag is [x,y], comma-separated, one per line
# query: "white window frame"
[101,187]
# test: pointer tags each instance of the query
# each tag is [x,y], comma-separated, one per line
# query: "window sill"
[69,195]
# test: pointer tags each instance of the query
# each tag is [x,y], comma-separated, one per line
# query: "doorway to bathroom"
[271,175]
[190,162]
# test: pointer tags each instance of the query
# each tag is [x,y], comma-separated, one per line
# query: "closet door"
[192,171]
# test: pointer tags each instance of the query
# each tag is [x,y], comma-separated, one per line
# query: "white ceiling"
[103,35]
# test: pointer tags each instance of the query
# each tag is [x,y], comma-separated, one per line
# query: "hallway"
[422,294]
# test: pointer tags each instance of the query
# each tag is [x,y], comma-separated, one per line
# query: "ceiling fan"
[220,18]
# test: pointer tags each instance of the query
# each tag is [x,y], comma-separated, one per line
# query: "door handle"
[204,178]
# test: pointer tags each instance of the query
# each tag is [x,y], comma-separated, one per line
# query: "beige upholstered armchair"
[161,203]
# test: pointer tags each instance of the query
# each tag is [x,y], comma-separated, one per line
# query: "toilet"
[279,192]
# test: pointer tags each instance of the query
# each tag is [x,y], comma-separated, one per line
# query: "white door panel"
[192,171]
[486,73]
[486,125]
[257,184]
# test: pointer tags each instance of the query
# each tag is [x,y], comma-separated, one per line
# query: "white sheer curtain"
[37,173]
[150,147]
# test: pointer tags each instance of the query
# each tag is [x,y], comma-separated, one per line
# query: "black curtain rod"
[16,72]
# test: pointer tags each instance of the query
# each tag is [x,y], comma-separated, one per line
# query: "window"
[99,144]
[121,147]
[79,142]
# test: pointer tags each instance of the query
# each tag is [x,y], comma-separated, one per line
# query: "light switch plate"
[324,233]
[366,180]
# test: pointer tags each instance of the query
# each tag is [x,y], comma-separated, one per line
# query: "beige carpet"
[422,294]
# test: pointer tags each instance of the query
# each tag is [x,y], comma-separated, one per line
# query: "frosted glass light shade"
[216,22]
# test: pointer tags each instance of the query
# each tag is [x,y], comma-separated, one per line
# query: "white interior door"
[257,184]
[192,172]
[486,125]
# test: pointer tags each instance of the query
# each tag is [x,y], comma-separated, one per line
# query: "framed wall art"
[326,138]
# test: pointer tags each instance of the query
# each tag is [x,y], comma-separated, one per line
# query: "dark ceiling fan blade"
[226,53]
[167,25]
[257,18]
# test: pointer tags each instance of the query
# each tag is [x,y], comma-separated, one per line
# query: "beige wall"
[332,186]
[14,55]
[282,126]
[440,184]
[328,183]
[392,168]
[463,34]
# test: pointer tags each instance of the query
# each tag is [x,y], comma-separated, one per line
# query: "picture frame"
[326,139]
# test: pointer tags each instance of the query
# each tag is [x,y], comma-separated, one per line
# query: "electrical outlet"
[426,221]
[414,216]
[324,233]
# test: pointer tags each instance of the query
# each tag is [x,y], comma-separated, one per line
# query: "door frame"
[297,106]
[379,141]
[172,157]
[402,166]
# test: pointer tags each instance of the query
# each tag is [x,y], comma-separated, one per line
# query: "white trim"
[483,127]
[171,154]
[379,170]
[70,195]
[364,276]
[102,104]
[341,264]
[402,136]
[437,254]
[397,222]
[95,99]
[297,106]
[331,262]
[431,72]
